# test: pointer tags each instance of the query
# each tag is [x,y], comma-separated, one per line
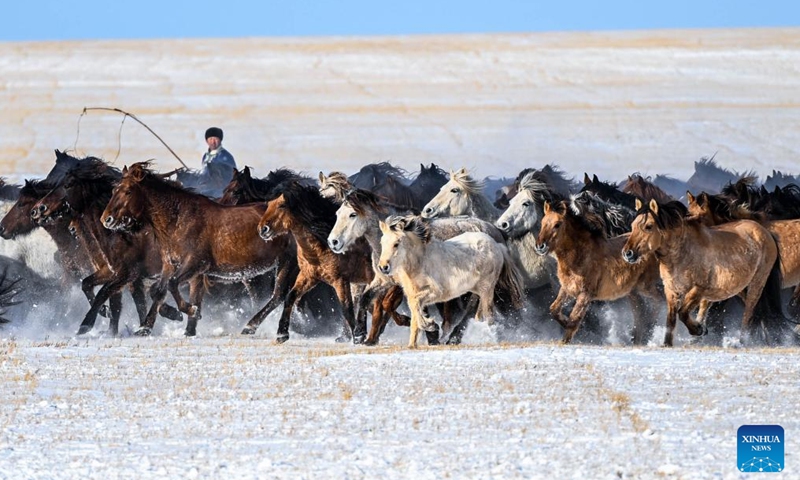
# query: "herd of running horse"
[486,249]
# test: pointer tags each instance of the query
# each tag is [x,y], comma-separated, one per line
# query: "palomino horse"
[196,237]
[699,265]
[119,258]
[308,217]
[590,268]
[359,216]
[431,270]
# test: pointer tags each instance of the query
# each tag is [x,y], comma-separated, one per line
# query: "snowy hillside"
[609,103]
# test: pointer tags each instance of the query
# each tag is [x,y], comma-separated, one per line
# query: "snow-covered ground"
[231,407]
[224,406]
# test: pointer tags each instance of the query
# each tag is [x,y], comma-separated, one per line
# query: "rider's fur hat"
[214,132]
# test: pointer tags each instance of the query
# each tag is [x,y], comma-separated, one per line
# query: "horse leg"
[158,293]
[692,300]
[284,277]
[557,308]
[139,298]
[576,316]
[115,304]
[416,313]
[87,287]
[468,311]
[196,291]
[102,295]
[642,320]
[351,328]
[301,286]
[672,318]
[379,319]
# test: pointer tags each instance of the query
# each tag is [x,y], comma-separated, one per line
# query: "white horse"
[463,195]
[431,270]
[359,217]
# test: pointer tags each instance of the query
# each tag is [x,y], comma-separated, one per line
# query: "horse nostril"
[429,210]
[109,220]
[504,226]
[334,242]
[42,208]
[264,229]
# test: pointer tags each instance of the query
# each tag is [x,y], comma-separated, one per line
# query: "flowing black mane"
[376,174]
[362,200]
[245,188]
[609,192]
[614,219]
[8,191]
[309,208]
[37,188]
[90,182]
[670,215]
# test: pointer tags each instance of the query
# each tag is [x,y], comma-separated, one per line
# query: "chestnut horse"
[119,258]
[590,268]
[196,236]
[699,265]
[309,217]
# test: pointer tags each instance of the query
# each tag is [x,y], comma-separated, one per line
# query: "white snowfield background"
[224,406]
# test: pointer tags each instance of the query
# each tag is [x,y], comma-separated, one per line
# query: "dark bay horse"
[18,221]
[119,258]
[196,236]
[309,217]
[700,265]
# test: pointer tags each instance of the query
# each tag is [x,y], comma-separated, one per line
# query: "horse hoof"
[104,311]
[171,313]
[190,332]
[343,339]
[143,332]
[359,339]
[84,329]
[281,338]
[371,342]
[453,341]
[248,331]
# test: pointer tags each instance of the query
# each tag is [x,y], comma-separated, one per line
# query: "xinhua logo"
[760,448]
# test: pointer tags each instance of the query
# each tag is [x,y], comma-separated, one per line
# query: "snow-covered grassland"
[223,406]
[241,408]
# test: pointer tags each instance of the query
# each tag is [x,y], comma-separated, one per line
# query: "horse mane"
[310,209]
[8,191]
[144,173]
[614,218]
[263,189]
[536,183]
[93,179]
[609,192]
[708,166]
[645,189]
[37,188]
[670,215]
[558,180]
[410,223]
[362,200]
[587,220]
[470,185]
[378,173]
[433,170]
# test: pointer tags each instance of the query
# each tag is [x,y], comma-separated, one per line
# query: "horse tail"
[509,289]
[770,307]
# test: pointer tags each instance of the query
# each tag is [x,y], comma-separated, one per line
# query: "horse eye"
[353,215]
[648,227]
[397,244]
[455,190]
[526,204]
[558,225]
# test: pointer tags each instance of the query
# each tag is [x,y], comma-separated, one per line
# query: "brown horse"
[643,188]
[196,237]
[309,217]
[713,210]
[699,265]
[119,258]
[590,268]
[18,221]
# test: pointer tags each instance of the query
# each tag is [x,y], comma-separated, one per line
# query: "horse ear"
[689,197]
[321,177]
[586,179]
[595,179]
[421,167]
[547,208]
[124,169]
[463,171]
[638,205]
[654,206]
[384,227]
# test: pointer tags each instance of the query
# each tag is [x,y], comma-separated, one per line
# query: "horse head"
[353,219]
[18,220]
[525,210]
[127,207]
[52,206]
[402,241]
[652,228]
[453,198]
